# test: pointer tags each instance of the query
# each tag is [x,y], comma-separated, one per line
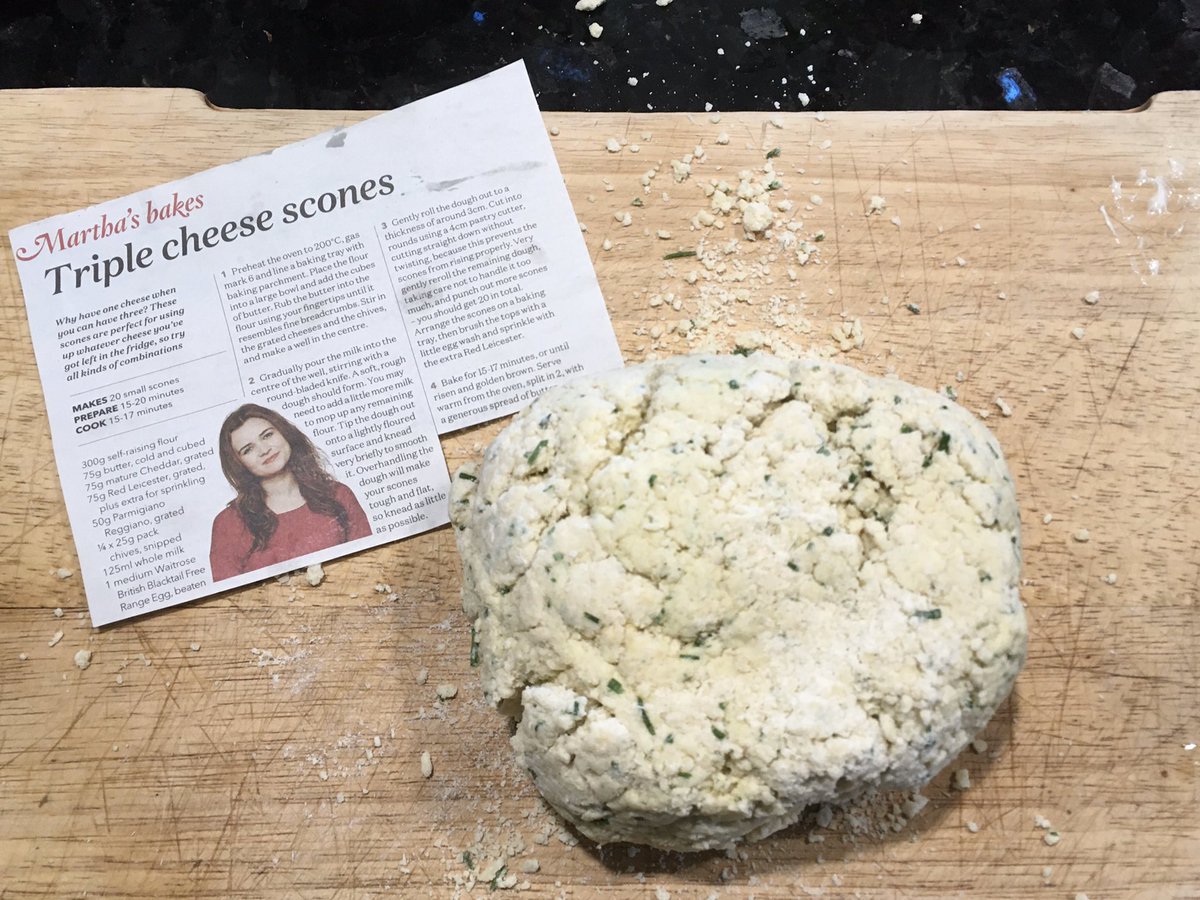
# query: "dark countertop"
[842,54]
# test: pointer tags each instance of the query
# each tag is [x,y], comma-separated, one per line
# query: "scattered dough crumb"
[63,574]
[530,866]
[1050,838]
[83,658]
[612,145]
[979,745]
[917,18]
[1078,333]
[426,764]
[973,827]
[1082,535]
[962,780]
[447,691]
[1005,409]
[120,679]
[22,656]
[588,5]
[595,29]
[1091,298]
[1110,578]
[195,648]
[422,676]
[58,636]
[58,613]
[876,204]
[314,574]
[1047,518]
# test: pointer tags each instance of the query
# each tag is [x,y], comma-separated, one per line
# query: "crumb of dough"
[962,780]
[63,574]
[58,636]
[1051,838]
[612,145]
[23,656]
[554,131]
[426,764]
[1110,578]
[530,866]
[973,827]
[1005,409]
[1078,333]
[1047,518]
[83,658]
[588,5]
[1082,535]
[195,648]
[595,29]
[58,613]
[1080,895]
[979,745]
[447,691]
[422,676]
[1040,821]
[1091,298]
[876,204]
[314,574]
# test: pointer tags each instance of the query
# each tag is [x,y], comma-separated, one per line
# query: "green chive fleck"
[636,201]
[828,530]
[466,476]
[474,648]
[532,455]
[771,154]
[742,351]
[591,618]
[645,718]
[943,443]
[468,859]
[793,566]
[934,613]
[679,254]
[653,478]
[690,656]
[734,384]
[718,733]
[913,308]
[615,686]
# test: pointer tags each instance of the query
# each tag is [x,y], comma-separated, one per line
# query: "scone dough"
[715,590]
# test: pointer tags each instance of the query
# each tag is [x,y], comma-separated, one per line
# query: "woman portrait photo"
[287,503]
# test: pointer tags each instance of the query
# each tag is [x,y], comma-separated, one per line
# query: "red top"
[299,531]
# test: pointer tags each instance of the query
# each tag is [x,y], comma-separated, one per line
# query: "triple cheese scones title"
[104,271]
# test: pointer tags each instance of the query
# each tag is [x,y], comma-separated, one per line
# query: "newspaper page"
[246,371]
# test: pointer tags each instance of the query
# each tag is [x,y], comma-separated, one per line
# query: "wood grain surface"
[267,742]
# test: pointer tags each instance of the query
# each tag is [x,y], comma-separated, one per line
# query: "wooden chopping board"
[266,742]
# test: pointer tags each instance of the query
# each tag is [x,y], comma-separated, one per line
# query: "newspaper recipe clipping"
[246,371]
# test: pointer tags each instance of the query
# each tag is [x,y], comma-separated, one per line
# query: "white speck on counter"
[83,658]
[973,827]
[917,18]
[195,648]
[1091,298]
[662,894]
[554,131]
[612,145]
[23,656]
[959,261]
[979,745]
[1040,821]
[595,29]
[422,676]
[426,764]
[1005,409]
[606,245]
[962,780]
[723,137]
[1110,578]
[662,234]
[1082,535]
[582,227]
[58,636]
[314,574]
[63,574]
[1047,518]
[803,98]
[447,691]
[1078,333]
[1190,745]
[876,204]
[120,679]
[1051,838]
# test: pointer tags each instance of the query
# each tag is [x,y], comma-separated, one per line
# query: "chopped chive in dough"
[718,733]
[474,649]
[468,859]
[896,398]
[742,351]
[575,709]
[934,613]
[771,154]
[684,774]
[774,185]
[558,557]
[591,618]
[465,476]
[615,686]
[733,383]
[532,455]
[721,705]
[853,477]
[985,576]
[688,656]
[645,718]
[791,565]
[925,464]
[906,429]
[913,308]
[636,201]
[679,254]
[652,479]
[495,882]
[828,530]
[943,443]
[819,236]
[823,450]
[670,739]
[503,589]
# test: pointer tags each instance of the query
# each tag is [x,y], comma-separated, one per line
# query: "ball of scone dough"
[715,590]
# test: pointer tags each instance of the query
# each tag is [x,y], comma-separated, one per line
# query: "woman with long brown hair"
[287,504]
